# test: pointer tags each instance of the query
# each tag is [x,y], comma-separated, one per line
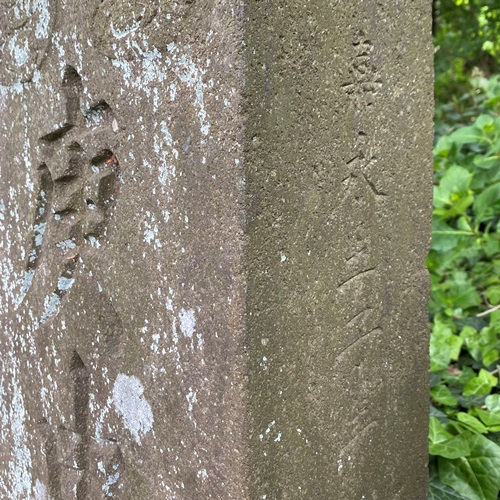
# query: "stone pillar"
[214,217]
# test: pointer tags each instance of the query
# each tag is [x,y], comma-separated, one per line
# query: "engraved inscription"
[365,192]
[78,187]
[85,179]
[364,79]
[359,167]
[73,453]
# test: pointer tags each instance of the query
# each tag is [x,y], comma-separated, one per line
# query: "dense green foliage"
[467,40]
[464,262]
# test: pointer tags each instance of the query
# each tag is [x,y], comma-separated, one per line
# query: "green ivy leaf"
[488,343]
[471,338]
[442,395]
[439,491]
[445,444]
[462,296]
[469,135]
[490,357]
[488,419]
[471,423]
[455,180]
[495,321]
[493,403]
[442,417]
[487,162]
[482,384]
[453,188]
[445,346]
[445,237]
[443,146]
[477,476]
[471,401]
[485,123]
[459,379]
[487,204]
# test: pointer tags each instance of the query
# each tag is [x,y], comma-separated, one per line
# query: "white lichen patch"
[111,479]
[191,398]
[53,302]
[19,51]
[100,418]
[151,236]
[40,491]
[93,241]
[177,68]
[17,471]
[15,474]
[127,30]
[132,407]
[192,75]
[27,282]
[187,322]
[66,244]
[42,26]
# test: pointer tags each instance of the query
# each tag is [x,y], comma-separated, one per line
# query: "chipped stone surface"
[201,282]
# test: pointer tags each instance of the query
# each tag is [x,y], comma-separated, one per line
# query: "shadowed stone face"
[339,138]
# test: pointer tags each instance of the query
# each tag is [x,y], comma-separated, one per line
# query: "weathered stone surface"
[214,218]
[339,185]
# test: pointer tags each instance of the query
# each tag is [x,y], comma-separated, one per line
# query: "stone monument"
[214,218]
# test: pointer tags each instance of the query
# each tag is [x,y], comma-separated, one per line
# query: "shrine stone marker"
[214,218]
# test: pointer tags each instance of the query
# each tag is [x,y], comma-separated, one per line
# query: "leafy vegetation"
[467,41]
[464,263]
